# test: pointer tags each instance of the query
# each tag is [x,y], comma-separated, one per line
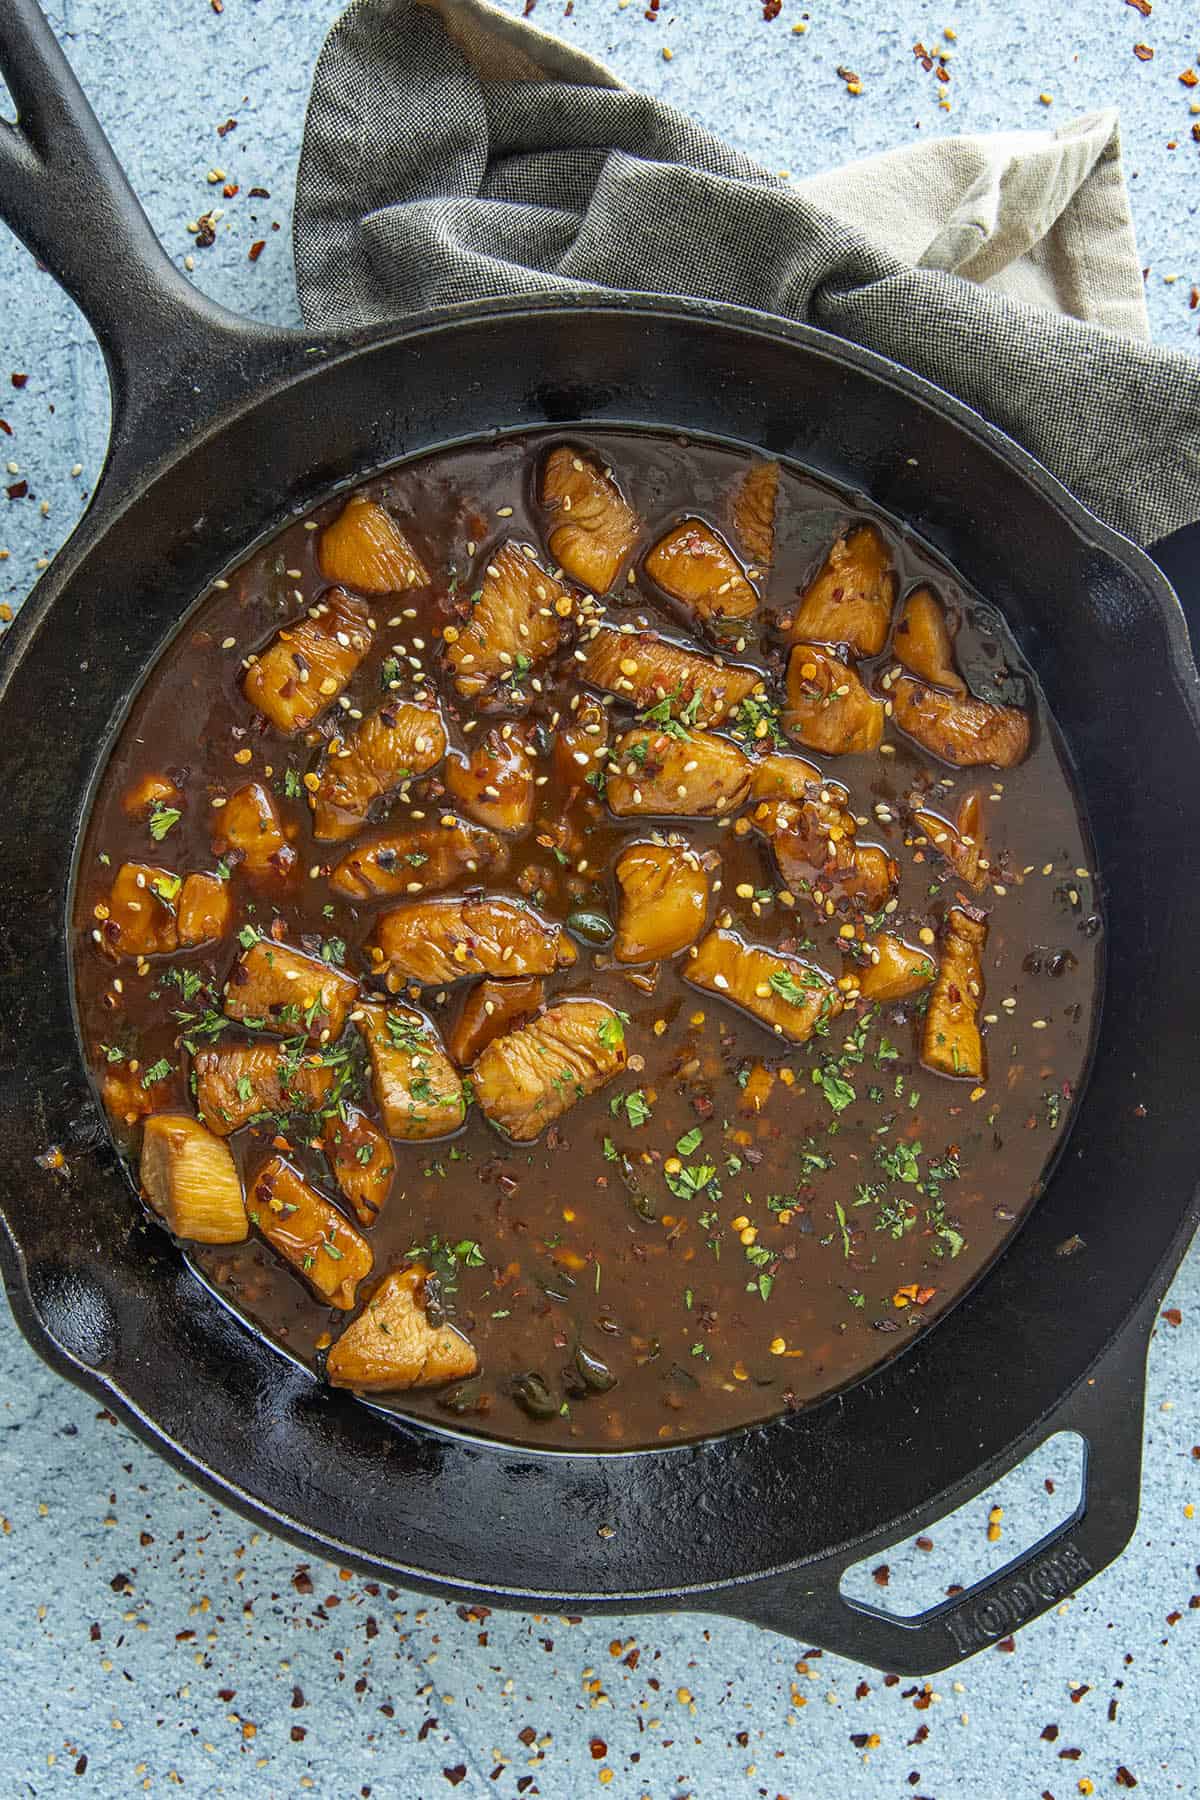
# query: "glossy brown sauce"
[826,1237]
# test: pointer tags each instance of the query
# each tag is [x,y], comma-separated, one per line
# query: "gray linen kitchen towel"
[453,152]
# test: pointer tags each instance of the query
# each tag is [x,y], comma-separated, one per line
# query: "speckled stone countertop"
[149,1640]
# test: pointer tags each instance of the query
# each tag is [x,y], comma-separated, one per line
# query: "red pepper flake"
[456,1774]
[1194,296]
[1124,1778]
[862,1690]
[1143,52]
[599,1749]
[230,189]
[257,193]
[302,1580]
[1196,135]
[226,128]
[924,1543]
[81,1764]
[18,490]
[19,381]
[5,427]
[1049,1733]
[257,248]
[298,1733]
[529,6]
[527,1735]
[1142,6]
[218,6]
[1078,1693]
[1173,1618]
[1070,1755]
[772,9]
[882,1575]
[1008,1645]
[1189,78]
[1173,1316]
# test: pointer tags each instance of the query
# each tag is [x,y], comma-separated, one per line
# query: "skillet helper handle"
[1107,1412]
[173,356]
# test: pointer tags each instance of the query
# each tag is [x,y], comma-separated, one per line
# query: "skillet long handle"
[1107,1412]
[173,356]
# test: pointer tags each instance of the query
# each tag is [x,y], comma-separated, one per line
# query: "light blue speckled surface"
[149,1640]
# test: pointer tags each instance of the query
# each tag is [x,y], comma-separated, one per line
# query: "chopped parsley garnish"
[156,1072]
[693,1180]
[796,993]
[836,1089]
[389,671]
[162,818]
[635,1106]
[333,950]
[247,937]
[611,1033]
[690,1141]
[406,1034]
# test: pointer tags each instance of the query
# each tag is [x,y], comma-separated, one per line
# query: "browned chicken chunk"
[361,1161]
[961,731]
[495,783]
[434,941]
[309,1232]
[754,513]
[581,742]
[828,707]
[813,834]
[238,1082]
[395,744]
[191,1180]
[951,1041]
[647,670]
[205,910]
[248,832]
[277,989]
[530,1077]
[149,793]
[695,775]
[922,641]
[392,1345]
[962,844]
[364,548]
[420,860]
[851,598]
[489,1009]
[663,901]
[419,1093]
[592,528]
[139,914]
[307,664]
[126,1097]
[513,626]
[694,566]
[895,969]
[789,996]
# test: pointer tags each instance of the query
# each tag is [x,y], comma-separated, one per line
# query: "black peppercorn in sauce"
[591,939]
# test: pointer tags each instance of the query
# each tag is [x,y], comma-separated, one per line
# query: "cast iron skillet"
[221,429]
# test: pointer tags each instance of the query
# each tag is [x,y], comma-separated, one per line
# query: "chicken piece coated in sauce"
[790,997]
[147,793]
[365,549]
[309,663]
[513,626]
[962,844]
[279,989]
[951,1041]
[205,910]
[580,741]
[140,916]
[530,1077]
[420,1095]
[645,669]
[248,832]
[495,783]
[696,774]
[593,529]
[961,730]
[126,1097]
[662,901]
[922,641]
[309,1232]
[420,860]
[813,834]
[431,942]
[191,1180]
[694,566]
[392,1345]
[489,1009]
[851,598]
[828,707]
[397,743]
[895,971]
[237,1082]
[754,513]
[361,1161]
